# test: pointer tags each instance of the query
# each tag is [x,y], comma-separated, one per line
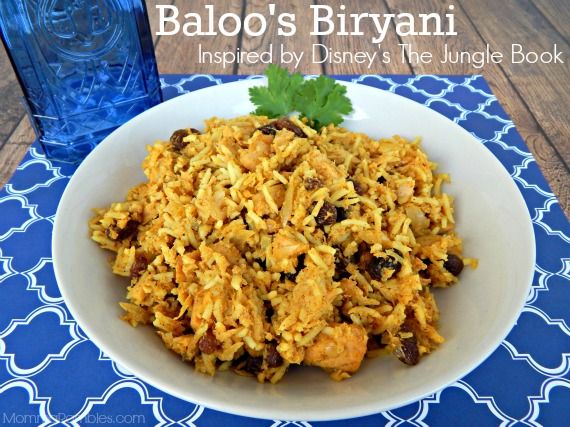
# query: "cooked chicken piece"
[260,148]
[340,347]
[405,191]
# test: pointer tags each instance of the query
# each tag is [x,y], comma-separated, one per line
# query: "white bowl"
[476,314]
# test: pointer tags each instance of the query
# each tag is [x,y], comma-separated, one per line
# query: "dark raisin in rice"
[408,353]
[273,357]
[290,126]
[327,215]
[358,188]
[377,265]
[313,183]
[130,229]
[375,342]
[363,248]
[177,139]
[340,214]
[208,343]
[253,364]
[454,264]
[267,129]
[139,266]
[340,264]
[279,124]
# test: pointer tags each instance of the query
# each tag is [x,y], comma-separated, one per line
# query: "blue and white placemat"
[51,374]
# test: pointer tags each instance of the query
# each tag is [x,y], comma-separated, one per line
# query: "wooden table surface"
[535,96]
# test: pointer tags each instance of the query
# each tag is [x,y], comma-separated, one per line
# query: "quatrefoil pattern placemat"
[51,374]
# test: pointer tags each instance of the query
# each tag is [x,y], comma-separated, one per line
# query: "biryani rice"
[254,248]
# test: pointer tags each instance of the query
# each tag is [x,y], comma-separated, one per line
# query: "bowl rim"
[155,380]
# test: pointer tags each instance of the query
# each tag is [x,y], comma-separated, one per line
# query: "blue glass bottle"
[85,67]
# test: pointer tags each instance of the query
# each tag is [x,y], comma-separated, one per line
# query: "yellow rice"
[228,261]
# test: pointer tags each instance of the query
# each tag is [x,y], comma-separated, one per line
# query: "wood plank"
[539,84]
[153,16]
[301,42]
[179,53]
[14,150]
[12,110]
[363,43]
[558,13]
[468,39]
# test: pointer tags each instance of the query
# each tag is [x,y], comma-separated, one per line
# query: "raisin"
[139,266]
[253,364]
[393,264]
[273,357]
[340,214]
[130,229]
[381,180]
[363,248]
[279,124]
[376,266]
[375,342]
[290,126]
[327,214]
[267,129]
[358,187]
[408,352]
[365,260]
[208,343]
[313,183]
[340,264]
[177,139]
[454,264]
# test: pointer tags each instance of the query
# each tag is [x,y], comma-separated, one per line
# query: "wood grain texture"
[363,43]
[556,11]
[12,110]
[180,54]
[468,39]
[542,86]
[154,14]
[303,22]
[15,149]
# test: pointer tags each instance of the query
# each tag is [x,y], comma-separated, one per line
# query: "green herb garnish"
[277,99]
[322,100]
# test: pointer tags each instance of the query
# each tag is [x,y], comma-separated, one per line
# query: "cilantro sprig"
[277,99]
[322,100]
